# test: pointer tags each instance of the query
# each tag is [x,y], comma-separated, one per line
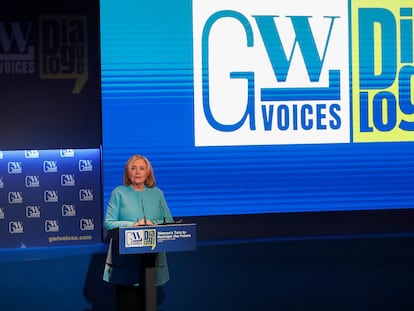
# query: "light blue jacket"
[126,206]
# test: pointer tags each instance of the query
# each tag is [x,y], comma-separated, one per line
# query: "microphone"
[164,220]
[143,211]
[162,209]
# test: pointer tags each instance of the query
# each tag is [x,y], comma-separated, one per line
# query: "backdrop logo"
[16,227]
[64,49]
[16,52]
[67,180]
[85,195]
[14,167]
[270,72]
[33,211]
[68,210]
[51,225]
[85,166]
[86,224]
[32,181]
[50,196]
[31,154]
[67,153]
[50,166]
[383,96]
[15,197]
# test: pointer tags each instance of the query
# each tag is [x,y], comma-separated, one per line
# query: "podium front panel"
[153,239]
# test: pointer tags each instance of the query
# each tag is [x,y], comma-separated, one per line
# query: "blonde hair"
[150,181]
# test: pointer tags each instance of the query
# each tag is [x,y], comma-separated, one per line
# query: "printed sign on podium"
[153,239]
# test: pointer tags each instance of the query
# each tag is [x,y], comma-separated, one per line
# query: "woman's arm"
[112,220]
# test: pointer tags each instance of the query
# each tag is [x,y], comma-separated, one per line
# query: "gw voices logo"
[86,195]
[50,196]
[17,53]
[68,210]
[15,197]
[86,224]
[67,180]
[31,154]
[32,181]
[16,227]
[50,166]
[51,225]
[14,167]
[62,45]
[270,72]
[85,166]
[33,211]
[141,238]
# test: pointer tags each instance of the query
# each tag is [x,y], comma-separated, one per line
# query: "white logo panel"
[270,72]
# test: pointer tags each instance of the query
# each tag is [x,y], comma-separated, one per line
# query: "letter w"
[16,34]
[304,39]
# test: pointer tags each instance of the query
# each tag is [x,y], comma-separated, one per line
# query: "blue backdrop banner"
[50,197]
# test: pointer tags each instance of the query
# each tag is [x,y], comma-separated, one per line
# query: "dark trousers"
[130,298]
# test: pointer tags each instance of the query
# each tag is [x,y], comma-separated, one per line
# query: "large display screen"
[247,107]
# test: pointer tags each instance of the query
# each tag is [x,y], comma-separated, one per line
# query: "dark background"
[43,113]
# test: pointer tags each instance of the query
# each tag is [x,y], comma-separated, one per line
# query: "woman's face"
[138,173]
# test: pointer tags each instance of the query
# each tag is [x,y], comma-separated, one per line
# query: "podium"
[149,240]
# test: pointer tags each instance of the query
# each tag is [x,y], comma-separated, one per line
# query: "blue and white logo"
[33,211]
[85,166]
[15,197]
[67,153]
[14,167]
[68,210]
[16,227]
[31,154]
[32,181]
[67,180]
[134,238]
[50,196]
[51,225]
[141,238]
[85,195]
[86,224]
[270,72]
[50,166]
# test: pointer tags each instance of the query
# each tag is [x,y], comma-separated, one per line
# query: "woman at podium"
[138,202]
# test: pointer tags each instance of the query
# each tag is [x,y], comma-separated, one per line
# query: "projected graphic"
[262,107]
[267,79]
[383,93]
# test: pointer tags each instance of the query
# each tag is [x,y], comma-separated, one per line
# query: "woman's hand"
[141,222]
